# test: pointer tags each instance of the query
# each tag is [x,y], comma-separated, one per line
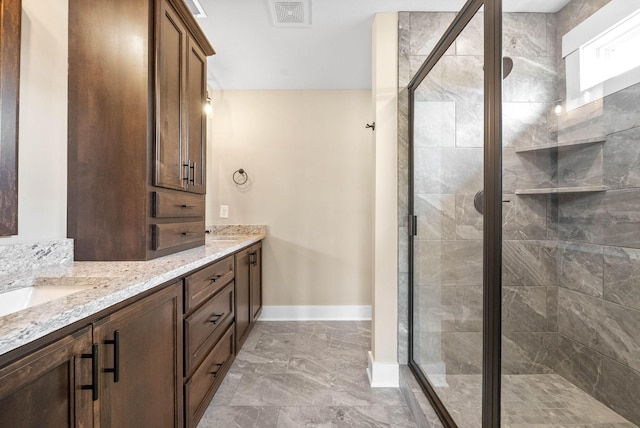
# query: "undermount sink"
[43,290]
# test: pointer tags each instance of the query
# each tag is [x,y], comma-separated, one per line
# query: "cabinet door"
[170,160]
[44,389]
[141,363]
[243,296]
[256,281]
[196,117]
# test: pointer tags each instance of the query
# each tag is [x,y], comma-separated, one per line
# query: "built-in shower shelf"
[554,190]
[555,146]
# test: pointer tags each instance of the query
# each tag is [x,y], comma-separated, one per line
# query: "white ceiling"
[335,53]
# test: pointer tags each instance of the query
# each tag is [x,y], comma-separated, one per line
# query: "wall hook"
[371,125]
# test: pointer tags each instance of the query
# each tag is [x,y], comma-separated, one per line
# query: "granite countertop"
[101,285]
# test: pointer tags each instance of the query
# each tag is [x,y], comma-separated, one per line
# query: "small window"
[610,54]
[601,53]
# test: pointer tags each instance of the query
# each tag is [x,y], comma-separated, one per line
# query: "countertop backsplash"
[21,259]
[236,229]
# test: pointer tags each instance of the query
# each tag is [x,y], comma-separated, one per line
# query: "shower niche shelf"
[556,190]
[575,187]
[556,146]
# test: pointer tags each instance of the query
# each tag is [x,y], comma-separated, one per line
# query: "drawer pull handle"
[216,318]
[187,206]
[94,371]
[217,277]
[218,366]
[116,356]
[190,233]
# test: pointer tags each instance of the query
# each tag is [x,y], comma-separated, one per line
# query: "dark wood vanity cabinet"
[248,290]
[255,277]
[209,334]
[222,303]
[154,361]
[45,388]
[137,129]
[131,357]
[140,382]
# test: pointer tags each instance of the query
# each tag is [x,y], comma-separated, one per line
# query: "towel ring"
[240,177]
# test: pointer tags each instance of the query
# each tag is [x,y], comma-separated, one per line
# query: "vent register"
[291,13]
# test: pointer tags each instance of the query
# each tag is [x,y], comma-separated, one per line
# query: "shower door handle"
[413,225]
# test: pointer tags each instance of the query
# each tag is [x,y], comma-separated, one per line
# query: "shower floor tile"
[529,401]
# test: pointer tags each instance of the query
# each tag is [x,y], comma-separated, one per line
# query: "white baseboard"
[383,375]
[316,313]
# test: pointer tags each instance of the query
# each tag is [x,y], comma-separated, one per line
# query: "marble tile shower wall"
[599,247]
[530,292]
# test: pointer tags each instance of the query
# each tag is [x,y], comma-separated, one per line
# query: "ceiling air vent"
[196,8]
[291,13]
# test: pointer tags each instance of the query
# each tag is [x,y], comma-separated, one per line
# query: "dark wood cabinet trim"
[11,15]
[186,15]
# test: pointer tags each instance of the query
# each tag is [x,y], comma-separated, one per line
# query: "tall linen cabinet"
[137,129]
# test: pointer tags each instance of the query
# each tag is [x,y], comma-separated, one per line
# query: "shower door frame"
[492,223]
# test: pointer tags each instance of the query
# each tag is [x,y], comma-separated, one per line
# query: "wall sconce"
[558,107]
[208,109]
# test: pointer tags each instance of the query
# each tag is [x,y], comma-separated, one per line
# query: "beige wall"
[310,163]
[308,154]
[42,176]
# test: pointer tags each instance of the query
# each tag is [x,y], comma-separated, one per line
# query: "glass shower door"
[447,243]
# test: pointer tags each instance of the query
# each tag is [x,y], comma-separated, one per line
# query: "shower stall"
[522,149]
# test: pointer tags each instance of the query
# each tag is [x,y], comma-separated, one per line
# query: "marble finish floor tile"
[528,401]
[305,374]
[240,417]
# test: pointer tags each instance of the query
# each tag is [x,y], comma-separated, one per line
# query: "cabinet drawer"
[207,378]
[175,234]
[204,327]
[207,281]
[168,205]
